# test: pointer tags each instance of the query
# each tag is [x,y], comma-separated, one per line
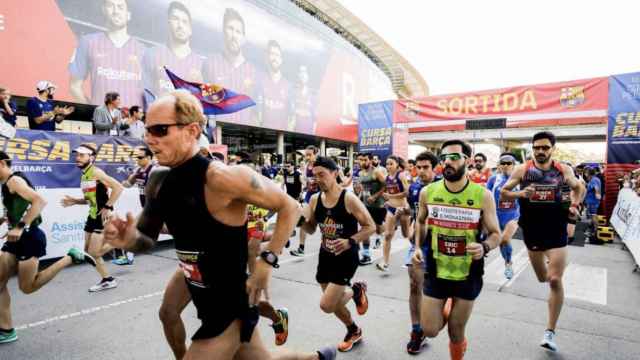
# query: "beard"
[452,174]
[84,166]
[479,166]
[542,159]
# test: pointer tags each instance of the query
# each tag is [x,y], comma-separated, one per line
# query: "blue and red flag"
[215,99]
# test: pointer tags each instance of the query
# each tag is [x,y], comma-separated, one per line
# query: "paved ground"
[600,320]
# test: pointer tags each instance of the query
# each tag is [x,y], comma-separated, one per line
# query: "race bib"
[544,194]
[506,204]
[452,245]
[188,262]
[88,186]
[290,180]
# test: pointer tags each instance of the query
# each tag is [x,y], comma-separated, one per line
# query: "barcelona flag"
[215,99]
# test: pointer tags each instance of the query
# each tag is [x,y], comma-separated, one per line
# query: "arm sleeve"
[79,65]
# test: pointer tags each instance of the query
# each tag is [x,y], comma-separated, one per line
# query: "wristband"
[352,242]
[486,249]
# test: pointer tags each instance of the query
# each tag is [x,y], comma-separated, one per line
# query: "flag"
[147,99]
[215,99]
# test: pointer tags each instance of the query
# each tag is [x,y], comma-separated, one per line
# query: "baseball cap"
[85,149]
[44,85]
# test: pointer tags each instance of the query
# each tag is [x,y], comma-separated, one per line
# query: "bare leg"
[557,264]
[176,297]
[537,259]
[93,245]
[334,300]
[416,276]
[460,313]
[267,310]
[431,316]
[30,280]
[390,223]
[405,224]
[8,267]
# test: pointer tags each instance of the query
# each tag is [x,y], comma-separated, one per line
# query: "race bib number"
[544,194]
[88,186]
[506,204]
[452,245]
[188,262]
[290,180]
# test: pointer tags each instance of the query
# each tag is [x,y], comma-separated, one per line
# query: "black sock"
[6,330]
[366,245]
[571,239]
[356,292]
[301,247]
[352,328]
[553,331]
[320,356]
[108,278]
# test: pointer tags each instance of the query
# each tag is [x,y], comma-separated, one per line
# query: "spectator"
[593,197]
[292,181]
[41,111]
[106,117]
[7,107]
[133,126]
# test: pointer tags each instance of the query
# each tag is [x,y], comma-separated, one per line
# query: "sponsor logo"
[571,97]
[114,74]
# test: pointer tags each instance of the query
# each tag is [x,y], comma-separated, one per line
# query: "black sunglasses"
[161,130]
[506,163]
[140,157]
[542,147]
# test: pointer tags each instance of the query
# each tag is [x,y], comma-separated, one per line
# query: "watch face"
[271,257]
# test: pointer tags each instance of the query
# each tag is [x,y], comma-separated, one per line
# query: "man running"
[204,205]
[310,154]
[424,164]
[453,212]
[373,184]
[508,211]
[338,212]
[395,195]
[480,173]
[544,208]
[25,243]
[95,185]
[139,178]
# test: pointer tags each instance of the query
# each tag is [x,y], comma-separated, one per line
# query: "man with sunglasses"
[549,195]
[480,173]
[452,212]
[424,164]
[95,185]
[204,205]
[508,211]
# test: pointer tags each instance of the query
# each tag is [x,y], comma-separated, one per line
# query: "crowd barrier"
[625,219]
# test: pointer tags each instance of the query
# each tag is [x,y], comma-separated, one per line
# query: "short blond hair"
[188,108]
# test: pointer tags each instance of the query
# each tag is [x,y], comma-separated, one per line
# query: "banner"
[625,219]
[623,132]
[375,128]
[46,158]
[563,103]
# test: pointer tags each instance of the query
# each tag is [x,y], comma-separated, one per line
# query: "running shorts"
[94,225]
[411,251]
[337,269]
[537,239]
[468,289]
[378,214]
[505,217]
[32,243]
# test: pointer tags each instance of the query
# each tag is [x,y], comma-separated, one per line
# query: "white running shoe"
[104,285]
[382,267]
[548,341]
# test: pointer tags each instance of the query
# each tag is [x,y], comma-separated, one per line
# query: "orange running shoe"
[360,297]
[281,328]
[350,339]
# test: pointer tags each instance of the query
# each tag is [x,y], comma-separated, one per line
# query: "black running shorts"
[538,240]
[468,289]
[32,243]
[378,214]
[94,225]
[338,269]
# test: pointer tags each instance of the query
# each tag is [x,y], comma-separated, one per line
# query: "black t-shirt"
[293,183]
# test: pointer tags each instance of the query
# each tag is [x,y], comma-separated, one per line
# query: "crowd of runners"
[452,216]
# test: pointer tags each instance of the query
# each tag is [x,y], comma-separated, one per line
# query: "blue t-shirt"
[491,182]
[11,119]
[414,193]
[495,184]
[594,184]
[35,108]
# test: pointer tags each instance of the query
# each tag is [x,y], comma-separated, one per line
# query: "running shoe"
[327,353]
[416,343]
[376,244]
[365,260]
[508,271]
[382,267]
[104,284]
[122,260]
[78,256]
[350,339]
[297,252]
[360,297]
[7,337]
[548,341]
[281,328]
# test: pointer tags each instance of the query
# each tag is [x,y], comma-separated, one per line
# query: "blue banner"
[46,157]
[375,128]
[623,137]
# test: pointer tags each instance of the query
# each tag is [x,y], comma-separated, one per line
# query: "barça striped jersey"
[155,77]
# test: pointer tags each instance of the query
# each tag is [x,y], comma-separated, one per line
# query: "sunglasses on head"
[542,147]
[160,130]
[452,156]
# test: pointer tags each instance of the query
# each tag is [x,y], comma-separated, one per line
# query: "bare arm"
[506,192]
[75,87]
[577,188]
[310,224]
[111,183]
[48,116]
[490,220]
[356,208]
[421,219]
[405,186]
[20,187]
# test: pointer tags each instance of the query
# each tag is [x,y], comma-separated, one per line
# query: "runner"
[139,178]
[454,211]
[338,212]
[396,190]
[372,183]
[25,243]
[95,185]
[225,300]
[508,211]
[425,163]
[544,206]
[480,174]
[310,154]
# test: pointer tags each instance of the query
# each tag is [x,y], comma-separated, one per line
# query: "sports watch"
[270,258]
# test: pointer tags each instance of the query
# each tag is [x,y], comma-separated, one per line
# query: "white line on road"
[586,283]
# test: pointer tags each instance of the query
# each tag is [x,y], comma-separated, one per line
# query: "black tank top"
[335,222]
[211,254]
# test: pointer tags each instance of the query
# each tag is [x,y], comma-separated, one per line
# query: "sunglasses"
[542,147]
[452,157]
[140,157]
[506,163]
[161,130]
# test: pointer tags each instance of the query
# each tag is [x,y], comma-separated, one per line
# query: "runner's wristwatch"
[486,248]
[23,226]
[270,258]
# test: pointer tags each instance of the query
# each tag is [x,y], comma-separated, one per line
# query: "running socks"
[365,249]
[110,278]
[457,350]
[301,247]
[6,331]
[506,251]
